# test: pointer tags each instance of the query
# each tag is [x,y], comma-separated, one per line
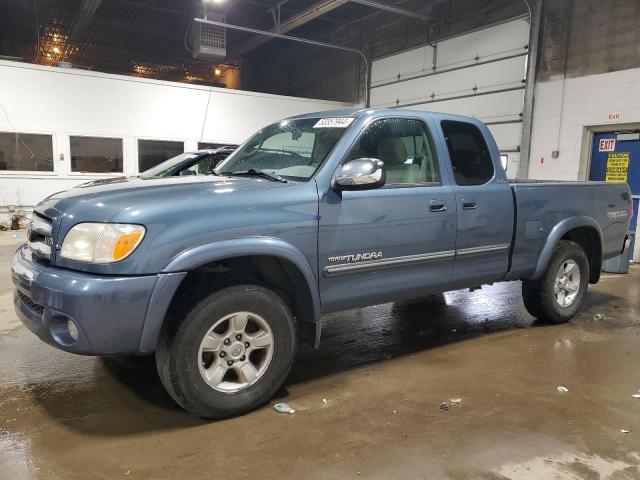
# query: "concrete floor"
[368,400]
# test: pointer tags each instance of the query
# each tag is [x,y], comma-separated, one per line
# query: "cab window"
[406,148]
[470,157]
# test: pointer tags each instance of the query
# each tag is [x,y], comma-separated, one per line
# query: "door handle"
[469,204]
[437,206]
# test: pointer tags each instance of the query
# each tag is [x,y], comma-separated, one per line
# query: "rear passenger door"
[484,206]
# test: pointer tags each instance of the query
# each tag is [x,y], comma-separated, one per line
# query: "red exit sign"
[607,145]
[614,116]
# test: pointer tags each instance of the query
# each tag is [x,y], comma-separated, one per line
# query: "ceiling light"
[217,72]
[56,50]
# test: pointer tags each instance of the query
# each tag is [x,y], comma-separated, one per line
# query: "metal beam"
[392,9]
[311,13]
[296,39]
[535,22]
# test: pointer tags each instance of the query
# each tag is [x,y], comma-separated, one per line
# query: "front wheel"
[558,295]
[231,352]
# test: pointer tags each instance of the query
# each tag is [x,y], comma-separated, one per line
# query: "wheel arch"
[282,267]
[583,230]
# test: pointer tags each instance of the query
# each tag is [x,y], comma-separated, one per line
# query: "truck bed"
[543,208]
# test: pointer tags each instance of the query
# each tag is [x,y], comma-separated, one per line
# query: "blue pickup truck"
[219,275]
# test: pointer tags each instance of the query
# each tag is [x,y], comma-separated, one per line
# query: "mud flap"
[309,332]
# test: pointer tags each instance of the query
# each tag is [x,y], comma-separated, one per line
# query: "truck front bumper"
[108,312]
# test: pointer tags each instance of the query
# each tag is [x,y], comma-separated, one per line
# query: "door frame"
[586,149]
[586,152]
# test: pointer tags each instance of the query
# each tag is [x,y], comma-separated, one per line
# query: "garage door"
[479,74]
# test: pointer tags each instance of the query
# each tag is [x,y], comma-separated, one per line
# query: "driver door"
[394,242]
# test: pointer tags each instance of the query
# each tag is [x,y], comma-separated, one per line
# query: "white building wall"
[561,124]
[63,102]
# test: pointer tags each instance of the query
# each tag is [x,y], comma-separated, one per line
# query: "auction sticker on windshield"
[341,122]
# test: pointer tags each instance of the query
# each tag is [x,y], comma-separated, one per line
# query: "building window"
[26,152]
[96,155]
[153,152]
[504,158]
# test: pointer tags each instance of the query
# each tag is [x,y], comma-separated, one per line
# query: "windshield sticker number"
[342,122]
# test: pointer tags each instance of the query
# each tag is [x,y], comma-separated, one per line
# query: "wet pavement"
[368,402]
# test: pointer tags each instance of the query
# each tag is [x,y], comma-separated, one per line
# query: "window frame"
[430,138]
[34,173]
[70,171]
[136,149]
[446,146]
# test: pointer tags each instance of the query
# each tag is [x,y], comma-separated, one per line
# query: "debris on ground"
[324,400]
[636,395]
[445,406]
[622,430]
[598,317]
[284,408]
[457,401]
[562,389]
[17,236]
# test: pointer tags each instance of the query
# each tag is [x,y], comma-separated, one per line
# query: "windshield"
[292,148]
[165,168]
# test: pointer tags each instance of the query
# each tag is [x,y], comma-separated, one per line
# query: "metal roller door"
[479,74]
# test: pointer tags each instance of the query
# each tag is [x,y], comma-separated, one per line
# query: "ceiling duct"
[209,41]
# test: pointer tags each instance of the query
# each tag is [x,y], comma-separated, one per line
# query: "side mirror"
[361,174]
[186,173]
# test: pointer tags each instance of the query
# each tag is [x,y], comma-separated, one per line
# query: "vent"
[209,41]
[30,304]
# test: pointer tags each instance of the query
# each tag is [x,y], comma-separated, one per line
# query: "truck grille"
[39,235]
[31,305]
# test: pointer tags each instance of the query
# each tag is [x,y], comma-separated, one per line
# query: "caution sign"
[617,167]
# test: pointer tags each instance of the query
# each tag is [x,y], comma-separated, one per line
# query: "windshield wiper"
[258,173]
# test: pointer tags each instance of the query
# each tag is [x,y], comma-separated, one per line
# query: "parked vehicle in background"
[200,162]
[220,274]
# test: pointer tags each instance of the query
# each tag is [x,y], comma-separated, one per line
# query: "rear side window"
[470,157]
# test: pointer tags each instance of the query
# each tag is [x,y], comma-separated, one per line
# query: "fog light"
[73,330]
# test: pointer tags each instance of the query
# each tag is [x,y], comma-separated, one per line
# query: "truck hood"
[100,200]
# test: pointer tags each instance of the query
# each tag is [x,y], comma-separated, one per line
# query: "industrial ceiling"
[151,38]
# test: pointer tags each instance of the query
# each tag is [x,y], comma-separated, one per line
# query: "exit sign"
[614,116]
[607,145]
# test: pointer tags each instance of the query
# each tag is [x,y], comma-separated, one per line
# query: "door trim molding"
[355,267]
[346,268]
[482,250]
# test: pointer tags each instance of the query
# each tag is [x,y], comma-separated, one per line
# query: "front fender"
[197,256]
[556,234]
[175,271]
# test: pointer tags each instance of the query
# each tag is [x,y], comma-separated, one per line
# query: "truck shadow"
[125,396]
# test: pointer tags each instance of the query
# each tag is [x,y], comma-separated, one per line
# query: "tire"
[541,298]
[189,366]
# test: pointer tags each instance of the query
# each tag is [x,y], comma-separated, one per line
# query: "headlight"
[101,242]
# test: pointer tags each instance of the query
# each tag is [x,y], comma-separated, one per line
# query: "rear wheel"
[558,295]
[231,352]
